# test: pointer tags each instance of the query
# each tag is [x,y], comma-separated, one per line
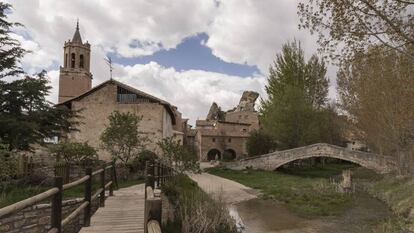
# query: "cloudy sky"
[187,52]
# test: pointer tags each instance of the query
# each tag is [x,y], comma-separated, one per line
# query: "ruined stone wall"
[100,104]
[244,117]
[36,219]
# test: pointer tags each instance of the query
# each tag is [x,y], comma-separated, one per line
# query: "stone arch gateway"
[213,154]
[271,161]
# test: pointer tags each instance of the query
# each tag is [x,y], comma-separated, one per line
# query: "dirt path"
[226,190]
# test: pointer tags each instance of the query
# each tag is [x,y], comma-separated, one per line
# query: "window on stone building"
[125,96]
[229,140]
[72,60]
[66,60]
[81,61]
[214,139]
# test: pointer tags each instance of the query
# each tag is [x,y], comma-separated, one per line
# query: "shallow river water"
[268,216]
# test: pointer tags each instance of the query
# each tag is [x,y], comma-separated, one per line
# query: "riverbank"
[398,194]
[309,195]
[306,197]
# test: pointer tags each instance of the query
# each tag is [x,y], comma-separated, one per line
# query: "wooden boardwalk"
[123,213]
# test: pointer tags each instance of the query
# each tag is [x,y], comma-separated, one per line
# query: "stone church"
[160,119]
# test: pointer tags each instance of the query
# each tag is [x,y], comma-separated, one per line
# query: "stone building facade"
[159,118]
[223,135]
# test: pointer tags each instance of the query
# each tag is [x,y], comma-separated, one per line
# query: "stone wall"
[36,219]
[379,163]
[222,143]
[97,106]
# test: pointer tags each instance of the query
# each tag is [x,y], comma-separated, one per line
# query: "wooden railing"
[156,175]
[56,193]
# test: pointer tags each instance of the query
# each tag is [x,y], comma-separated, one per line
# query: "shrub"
[74,152]
[138,163]
[8,164]
[181,157]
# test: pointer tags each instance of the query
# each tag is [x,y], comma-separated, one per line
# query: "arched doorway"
[213,154]
[229,154]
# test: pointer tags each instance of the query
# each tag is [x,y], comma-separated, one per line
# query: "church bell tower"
[75,77]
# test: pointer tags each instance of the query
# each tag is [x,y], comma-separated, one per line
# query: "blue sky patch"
[191,54]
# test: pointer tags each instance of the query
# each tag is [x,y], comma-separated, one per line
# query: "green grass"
[307,192]
[15,194]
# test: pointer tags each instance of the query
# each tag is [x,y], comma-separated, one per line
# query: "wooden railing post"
[88,198]
[158,174]
[67,173]
[149,176]
[102,195]
[111,187]
[115,177]
[164,173]
[56,213]
[152,173]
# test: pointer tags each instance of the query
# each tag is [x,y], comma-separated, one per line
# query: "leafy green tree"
[11,51]
[26,117]
[178,155]
[297,95]
[74,152]
[121,138]
[259,143]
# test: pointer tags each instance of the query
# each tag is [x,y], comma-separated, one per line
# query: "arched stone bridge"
[271,161]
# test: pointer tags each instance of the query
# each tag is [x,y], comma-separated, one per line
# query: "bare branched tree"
[346,27]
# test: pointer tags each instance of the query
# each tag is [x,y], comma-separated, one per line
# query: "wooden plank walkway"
[123,213]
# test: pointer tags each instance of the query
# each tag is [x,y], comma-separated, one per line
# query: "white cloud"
[192,91]
[240,31]
[131,28]
[252,32]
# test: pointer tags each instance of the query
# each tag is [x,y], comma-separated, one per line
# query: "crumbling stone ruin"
[223,135]
[215,113]
[247,102]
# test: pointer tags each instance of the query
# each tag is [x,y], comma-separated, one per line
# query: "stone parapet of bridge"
[272,161]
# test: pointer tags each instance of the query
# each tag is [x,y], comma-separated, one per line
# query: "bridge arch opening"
[229,154]
[317,167]
[213,154]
